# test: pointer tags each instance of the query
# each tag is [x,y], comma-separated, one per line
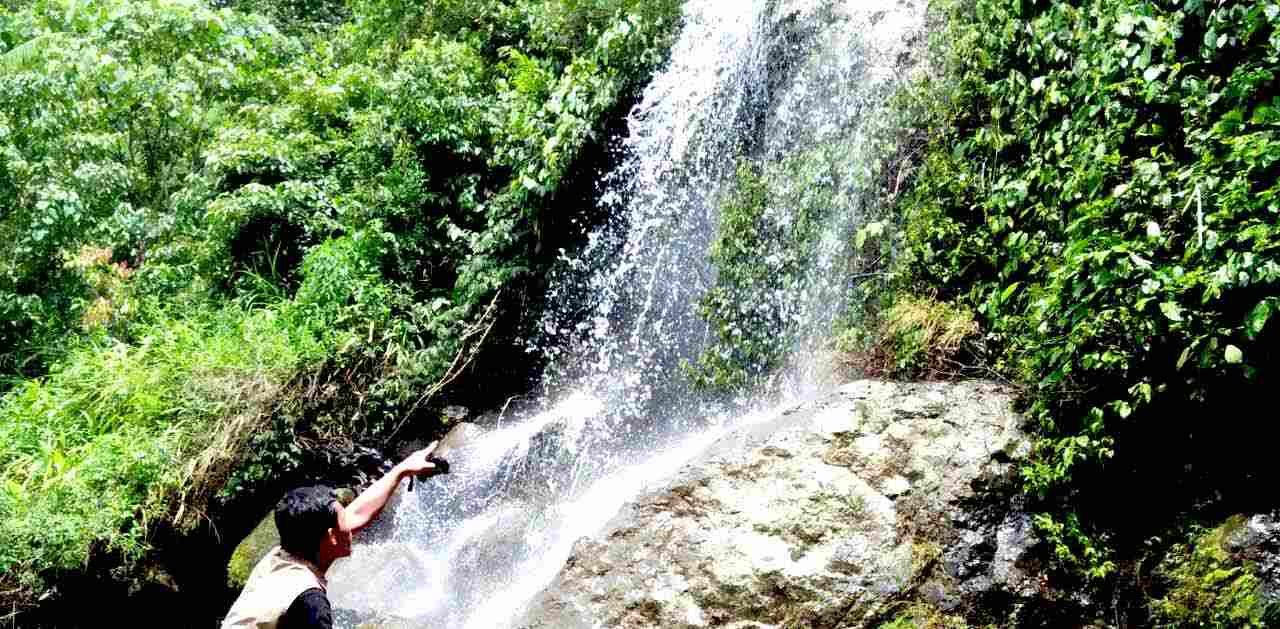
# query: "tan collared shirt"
[272,586]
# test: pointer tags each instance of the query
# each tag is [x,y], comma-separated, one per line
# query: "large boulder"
[836,514]
[251,550]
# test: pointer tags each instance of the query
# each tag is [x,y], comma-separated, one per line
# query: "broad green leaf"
[1233,355]
[1171,310]
[1257,318]
[1141,391]
[1265,114]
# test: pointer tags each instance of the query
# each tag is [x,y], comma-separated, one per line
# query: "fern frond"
[28,53]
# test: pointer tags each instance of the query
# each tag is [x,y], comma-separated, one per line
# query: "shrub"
[922,336]
[777,221]
[101,121]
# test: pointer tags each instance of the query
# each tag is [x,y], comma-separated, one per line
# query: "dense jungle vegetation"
[1099,186]
[230,229]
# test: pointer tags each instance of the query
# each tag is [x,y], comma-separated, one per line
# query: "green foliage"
[97,449]
[105,109]
[1074,547]
[558,30]
[745,330]
[341,284]
[1208,587]
[299,17]
[771,217]
[1100,187]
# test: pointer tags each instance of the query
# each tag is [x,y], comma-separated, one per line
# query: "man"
[286,590]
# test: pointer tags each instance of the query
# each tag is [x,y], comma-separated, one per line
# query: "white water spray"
[748,79]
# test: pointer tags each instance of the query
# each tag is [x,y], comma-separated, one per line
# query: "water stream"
[758,80]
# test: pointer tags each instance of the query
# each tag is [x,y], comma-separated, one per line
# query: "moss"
[1208,586]
[924,556]
[250,551]
[918,615]
[825,513]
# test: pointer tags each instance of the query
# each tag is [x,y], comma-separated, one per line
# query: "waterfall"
[789,86]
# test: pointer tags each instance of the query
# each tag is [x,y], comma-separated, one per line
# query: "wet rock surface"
[1258,541]
[824,517]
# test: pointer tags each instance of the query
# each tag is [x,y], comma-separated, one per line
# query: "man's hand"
[419,463]
[370,502]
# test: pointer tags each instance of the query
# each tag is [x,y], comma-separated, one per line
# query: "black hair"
[303,517]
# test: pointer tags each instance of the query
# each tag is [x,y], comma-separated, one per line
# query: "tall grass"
[93,452]
[914,337]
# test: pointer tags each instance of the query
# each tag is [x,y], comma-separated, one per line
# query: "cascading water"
[791,86]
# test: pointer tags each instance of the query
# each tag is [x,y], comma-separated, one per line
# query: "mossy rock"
[251,550]
[917,615]
[1208,586]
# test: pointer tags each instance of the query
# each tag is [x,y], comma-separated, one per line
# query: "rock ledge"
[879,493]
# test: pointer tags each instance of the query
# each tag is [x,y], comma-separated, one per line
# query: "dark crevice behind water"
[764,80]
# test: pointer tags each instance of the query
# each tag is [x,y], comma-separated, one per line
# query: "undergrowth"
[1206,586]
[1097,185]
[104,443]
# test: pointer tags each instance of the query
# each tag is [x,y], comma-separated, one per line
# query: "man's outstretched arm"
[370,502]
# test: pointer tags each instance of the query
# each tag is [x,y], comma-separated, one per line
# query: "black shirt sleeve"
[309,611]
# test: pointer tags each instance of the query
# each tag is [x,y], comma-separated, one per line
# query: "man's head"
[307,519]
